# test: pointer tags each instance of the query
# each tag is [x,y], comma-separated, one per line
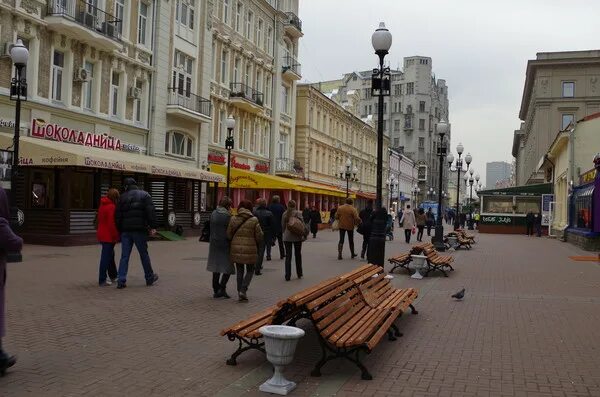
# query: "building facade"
[417,102]
[497,171]
[327,136]
[560,87]
[89,120]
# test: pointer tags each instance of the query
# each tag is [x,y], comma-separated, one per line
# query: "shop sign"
[587,177]
[7,124]
[55,132]
[497,220]
[216,158]
[261,167]
[244,181]
[241,166]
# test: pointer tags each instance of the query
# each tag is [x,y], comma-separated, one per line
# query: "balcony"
[86,22]
[293,25]
[291,68]
[246,98]
[184,104]
[285,166]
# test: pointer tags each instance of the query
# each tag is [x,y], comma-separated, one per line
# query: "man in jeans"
[277,209]
[265,219]
[348,219]
[134,217]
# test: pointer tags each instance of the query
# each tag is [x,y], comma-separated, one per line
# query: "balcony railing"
[292,64]
[187,100]
[290,166]
[241,90]
[294,20]
[87,15]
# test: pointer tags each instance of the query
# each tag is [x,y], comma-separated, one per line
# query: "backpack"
[296,226]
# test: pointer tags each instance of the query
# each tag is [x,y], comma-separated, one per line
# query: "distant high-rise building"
[497,172]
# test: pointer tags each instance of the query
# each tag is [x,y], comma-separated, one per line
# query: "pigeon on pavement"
[459,295]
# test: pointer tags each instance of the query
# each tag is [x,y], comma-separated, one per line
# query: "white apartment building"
[417,102]
[254,71]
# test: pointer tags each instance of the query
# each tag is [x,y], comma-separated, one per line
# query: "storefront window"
[42,189]
[582,207]
[82,197]
[528,204]
[179,144]
[497,205]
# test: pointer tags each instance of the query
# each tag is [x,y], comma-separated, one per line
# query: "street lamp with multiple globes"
[442,129]
[459,164]
[380,88]
[349,174]
[471,182]
[416,190]
[392,184]
[18,92]
[229,144]
[430,193]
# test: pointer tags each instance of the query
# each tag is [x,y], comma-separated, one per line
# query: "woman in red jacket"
[108,236]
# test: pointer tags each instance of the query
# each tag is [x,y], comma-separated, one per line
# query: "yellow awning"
[39,152]
[255,180]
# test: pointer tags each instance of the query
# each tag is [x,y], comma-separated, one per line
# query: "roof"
[542,188]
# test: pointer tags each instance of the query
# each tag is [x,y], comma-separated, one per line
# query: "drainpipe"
[571,172]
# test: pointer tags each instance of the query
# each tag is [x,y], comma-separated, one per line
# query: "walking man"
[265,219]
[348,219]
[135,217]
[529,218]
[277,209]
[365,226]
[430,221]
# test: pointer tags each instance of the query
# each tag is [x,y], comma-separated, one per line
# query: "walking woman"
[293,235]
[218,249]
[245,235]
[408,222]
[315,220]
[8,242]
[421,221]
[108,236]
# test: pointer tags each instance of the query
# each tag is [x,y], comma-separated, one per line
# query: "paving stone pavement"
[529,325]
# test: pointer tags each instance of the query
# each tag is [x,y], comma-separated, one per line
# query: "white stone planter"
[280,345]
[418,262]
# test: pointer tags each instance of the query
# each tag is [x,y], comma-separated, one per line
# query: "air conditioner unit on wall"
[134,93]
[82,75]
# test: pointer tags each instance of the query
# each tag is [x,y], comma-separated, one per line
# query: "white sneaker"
[108,282]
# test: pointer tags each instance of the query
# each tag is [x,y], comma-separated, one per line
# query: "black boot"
[340,248]
[6,361]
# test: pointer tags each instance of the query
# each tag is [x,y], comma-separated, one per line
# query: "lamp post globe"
[229,144]
[468,158]
[471,171]
[381,39]
[442,128]
[19,54]
[477,177]
[450,159]
[230,122]
[460,149]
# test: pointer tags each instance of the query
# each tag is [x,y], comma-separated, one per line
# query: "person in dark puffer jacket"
[134,217]
[266,221]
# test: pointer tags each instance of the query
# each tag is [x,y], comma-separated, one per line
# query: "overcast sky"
[480,47]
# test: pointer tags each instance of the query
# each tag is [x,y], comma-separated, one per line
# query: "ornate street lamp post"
[392,185]
[459,164]
[471,181]
[442,129]
[229,143]
[348,174]
[18,92]
[380,88]
[415,192]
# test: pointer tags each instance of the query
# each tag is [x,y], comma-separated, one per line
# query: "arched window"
[179,144]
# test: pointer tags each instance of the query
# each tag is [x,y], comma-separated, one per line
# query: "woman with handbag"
[295,232]
[408,222]
[218,262]
[245,235]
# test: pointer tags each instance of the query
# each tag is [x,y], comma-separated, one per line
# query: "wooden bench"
[285,311]
[435,261]
[363,296]
[400,261]
[357,320]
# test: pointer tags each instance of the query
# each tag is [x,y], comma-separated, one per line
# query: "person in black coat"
[537,223]
[266,221]
[277,209]
[306,215]
[134,217]
[529,218]
[315,220]
[365,227]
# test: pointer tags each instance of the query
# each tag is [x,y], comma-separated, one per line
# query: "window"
[88,86]
[422,106]
[421,124]
[253,138]
[249,23]
[421,142]
[396,142]
[220,128]
[422,173]
[224,56]
[568,89]
[236,70]
[214,60]
[370,109]
[120,15]
[268,91]
[184,13]
[114,93]
[58,64]
[396,125]
[397,89]
[498,205]
[137,102]
[285,100]
[259,33]
[238,16]
[247,80]
[178,144]
[226,11]
[269,42]
[259,81]
[407,121]
[410,88]
[143,23]
[385,107]
[266,139]
[409,109]
[566,120]
[182,74]
[581,211]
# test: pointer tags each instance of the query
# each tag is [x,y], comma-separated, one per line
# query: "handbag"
[335,225]
[296,226]
[414,230]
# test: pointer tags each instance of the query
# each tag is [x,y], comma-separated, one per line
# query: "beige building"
[560,87]
[327,135]
[254,52]
[90,118]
